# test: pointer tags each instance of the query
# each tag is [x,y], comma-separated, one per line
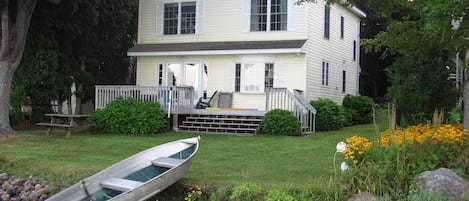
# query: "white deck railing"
[177,100]
[282,98]
[180,100]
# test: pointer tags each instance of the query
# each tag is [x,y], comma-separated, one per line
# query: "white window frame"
[255,77]
[269,14]
[342,27]
[327,22]
[199,9]
[246,16]
[325,73]
[202,85]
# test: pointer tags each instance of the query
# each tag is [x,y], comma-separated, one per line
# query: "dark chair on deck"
[204,102]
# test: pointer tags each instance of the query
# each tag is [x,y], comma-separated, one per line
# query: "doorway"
[188,74]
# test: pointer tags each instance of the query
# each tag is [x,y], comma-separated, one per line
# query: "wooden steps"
[222,124]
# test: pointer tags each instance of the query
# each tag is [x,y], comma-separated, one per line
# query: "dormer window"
[269,15]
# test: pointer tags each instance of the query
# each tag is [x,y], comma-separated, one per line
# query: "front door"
[188,74]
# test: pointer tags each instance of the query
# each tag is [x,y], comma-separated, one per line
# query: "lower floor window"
[254,77]
[325,74]
[344,81]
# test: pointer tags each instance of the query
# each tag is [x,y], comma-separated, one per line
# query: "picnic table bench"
[64,121]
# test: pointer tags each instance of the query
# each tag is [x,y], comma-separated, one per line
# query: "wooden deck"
[222,111]
[180,101]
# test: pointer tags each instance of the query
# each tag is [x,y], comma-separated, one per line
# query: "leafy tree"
[420,38]
[75,41]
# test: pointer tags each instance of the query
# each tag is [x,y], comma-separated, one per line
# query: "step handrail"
[282,98]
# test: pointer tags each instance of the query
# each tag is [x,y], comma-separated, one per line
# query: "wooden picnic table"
[65,121]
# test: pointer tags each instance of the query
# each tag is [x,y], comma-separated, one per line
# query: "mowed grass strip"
[268,161]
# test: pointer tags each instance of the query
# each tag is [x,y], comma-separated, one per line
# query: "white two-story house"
[246,47]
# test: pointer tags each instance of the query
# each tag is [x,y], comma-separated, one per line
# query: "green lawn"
[222,160]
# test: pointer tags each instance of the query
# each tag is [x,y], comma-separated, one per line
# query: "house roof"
[217,48]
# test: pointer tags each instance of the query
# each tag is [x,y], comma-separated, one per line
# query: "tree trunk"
[79,87]
[466,96]
[13,40]
[6,76]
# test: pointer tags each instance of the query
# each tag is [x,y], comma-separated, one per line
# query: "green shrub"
[246,192]
[221,194]
[330,115]
[360,107]
[280,122]
[455,116]
[129,116]
[349,113]
[279,195]
[286,193]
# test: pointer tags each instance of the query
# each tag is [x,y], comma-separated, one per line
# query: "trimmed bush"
[129,116]
[360,107]
[280,122]
[330,115]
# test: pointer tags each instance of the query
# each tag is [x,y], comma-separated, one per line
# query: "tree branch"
[23,19]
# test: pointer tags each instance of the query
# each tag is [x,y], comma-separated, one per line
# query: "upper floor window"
[269,15]
[179,18]
[327,21]
[354,50]
[341,26]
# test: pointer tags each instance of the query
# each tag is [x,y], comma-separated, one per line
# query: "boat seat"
[167,162]
[119,184]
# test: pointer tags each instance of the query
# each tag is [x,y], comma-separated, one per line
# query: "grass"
[268,161]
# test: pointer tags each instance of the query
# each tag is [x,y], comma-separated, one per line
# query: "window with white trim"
[327,21]
[325,74]
[269,15]
[253,77]
[344,80]
[269,76]
[238,77]
[179,18]
[342,23]
[354,50]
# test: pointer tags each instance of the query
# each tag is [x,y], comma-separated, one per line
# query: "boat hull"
[137,167]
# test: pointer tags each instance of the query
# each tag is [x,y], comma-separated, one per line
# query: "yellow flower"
[356,145]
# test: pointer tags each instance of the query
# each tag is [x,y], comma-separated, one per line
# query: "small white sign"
[341,146]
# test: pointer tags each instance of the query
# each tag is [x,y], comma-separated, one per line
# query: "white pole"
[170,100]
[457,70]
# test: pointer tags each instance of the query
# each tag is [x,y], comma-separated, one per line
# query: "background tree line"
[408,53]
[74,41]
